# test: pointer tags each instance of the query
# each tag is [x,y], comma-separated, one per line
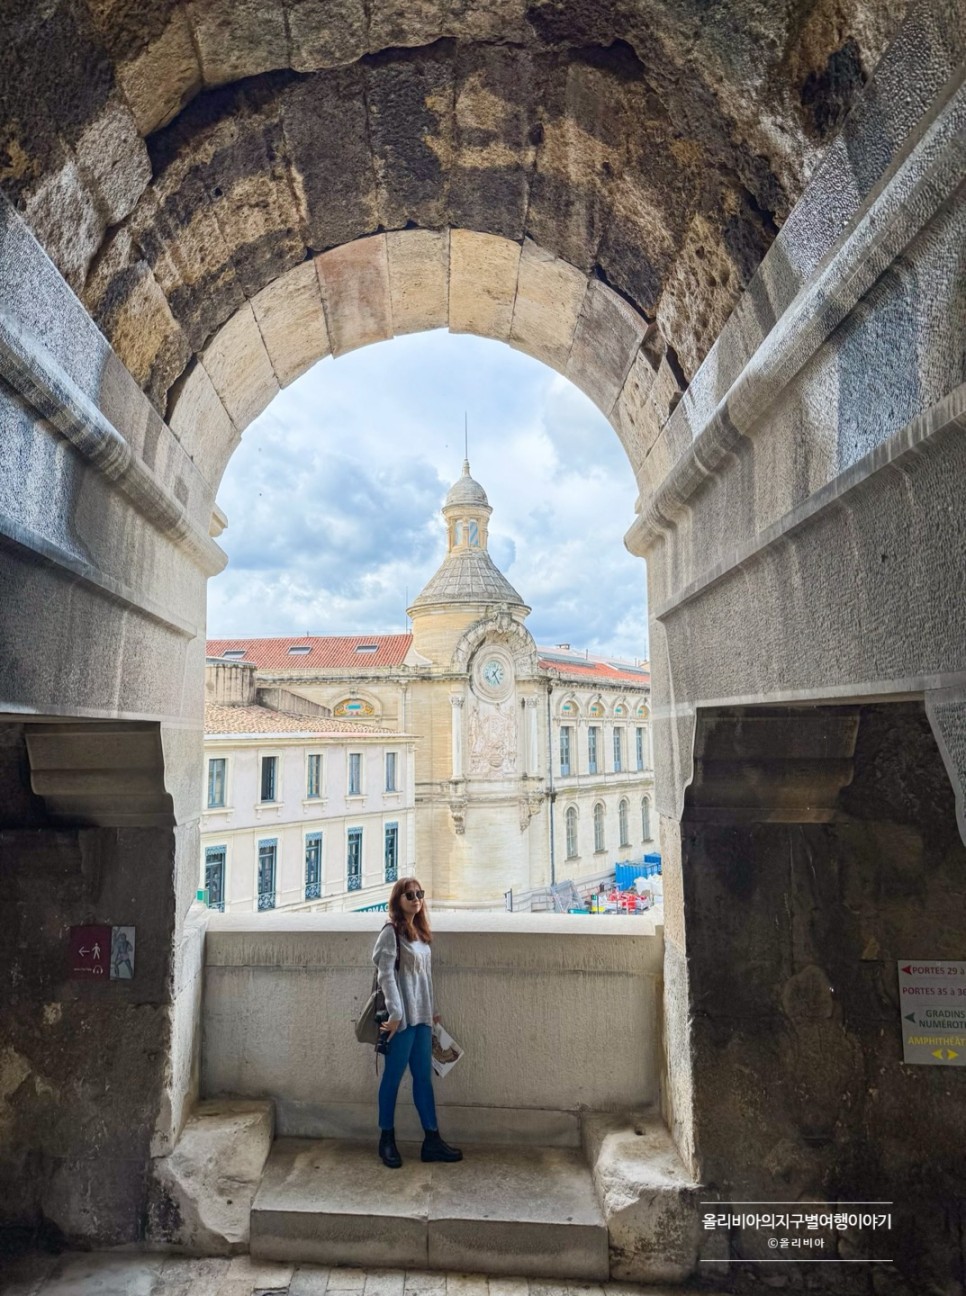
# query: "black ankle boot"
[434,1149]
[388,1150]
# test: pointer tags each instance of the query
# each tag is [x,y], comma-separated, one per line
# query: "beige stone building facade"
[301,810]
[532,765]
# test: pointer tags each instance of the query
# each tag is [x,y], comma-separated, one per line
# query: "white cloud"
[333,496]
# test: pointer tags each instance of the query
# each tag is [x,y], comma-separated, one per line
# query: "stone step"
[527,1211]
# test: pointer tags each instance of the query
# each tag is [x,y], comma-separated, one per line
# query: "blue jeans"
[412,1047]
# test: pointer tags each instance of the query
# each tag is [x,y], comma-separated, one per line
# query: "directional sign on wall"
[100,952]
[90,952]
[932,1004]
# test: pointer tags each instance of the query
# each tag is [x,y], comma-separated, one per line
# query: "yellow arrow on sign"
[946,1055]
[950,1054]
[938,1053]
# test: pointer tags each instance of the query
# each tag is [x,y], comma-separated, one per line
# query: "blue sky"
[333,496]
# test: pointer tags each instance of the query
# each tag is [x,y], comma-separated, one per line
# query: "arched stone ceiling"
[176,159]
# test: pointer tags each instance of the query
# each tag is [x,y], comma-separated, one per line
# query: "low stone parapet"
[558,1015]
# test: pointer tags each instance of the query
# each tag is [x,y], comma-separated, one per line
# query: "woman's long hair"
[415,927]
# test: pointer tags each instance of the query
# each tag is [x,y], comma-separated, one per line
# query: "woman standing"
[411,1007]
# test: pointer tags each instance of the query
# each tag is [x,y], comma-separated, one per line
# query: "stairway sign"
[932,1006]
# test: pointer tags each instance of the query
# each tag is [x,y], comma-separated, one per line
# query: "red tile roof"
[326,652]
[590,668]
[221,720]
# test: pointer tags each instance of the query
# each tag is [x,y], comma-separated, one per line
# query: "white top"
[408,992]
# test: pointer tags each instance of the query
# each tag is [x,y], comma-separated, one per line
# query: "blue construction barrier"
[626,872]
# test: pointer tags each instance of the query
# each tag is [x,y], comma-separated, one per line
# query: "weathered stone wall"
[794,930]
[175,159]
[104,551]
[801,492]
[82,1065]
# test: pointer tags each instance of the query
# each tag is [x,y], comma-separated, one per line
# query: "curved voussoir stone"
[355,293]
[550,293]
[608,336]
[418,279]
[483,283]
[291,321]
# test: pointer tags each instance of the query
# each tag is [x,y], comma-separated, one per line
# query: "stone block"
[699,293]
[330,157]
[164,75]
[127,301]
[240,368]
[418,279]
[238,38]
[650,1203]
[325,33]
[63,214]
[329,1202]
[483,271]
[502,1210]
[201,423]
[549,297]
[514,1213]
[112,152]
[292,322]
[636,427]
[355,292]
[404,22]
[410,127]
[607,339]
[498,97]
[202,1193]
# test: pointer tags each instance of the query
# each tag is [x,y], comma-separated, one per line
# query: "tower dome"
[467,574]
[466,491]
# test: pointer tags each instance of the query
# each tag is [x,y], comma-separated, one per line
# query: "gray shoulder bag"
[367,1028]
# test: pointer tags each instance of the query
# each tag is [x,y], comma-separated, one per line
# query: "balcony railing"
[266,900]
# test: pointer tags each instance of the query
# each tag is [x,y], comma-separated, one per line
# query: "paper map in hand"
[446,1052]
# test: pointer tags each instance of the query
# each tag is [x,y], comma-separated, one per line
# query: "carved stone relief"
[493,739]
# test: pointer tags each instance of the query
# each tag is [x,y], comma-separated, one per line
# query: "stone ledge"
[503,1210]
[649,1201]
[201,1195]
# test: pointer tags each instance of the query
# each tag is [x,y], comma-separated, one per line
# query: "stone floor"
[120,1273]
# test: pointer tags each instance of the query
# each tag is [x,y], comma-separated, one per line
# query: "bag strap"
[375,975]
[395,932]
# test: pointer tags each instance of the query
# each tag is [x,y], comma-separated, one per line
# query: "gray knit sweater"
[408,992]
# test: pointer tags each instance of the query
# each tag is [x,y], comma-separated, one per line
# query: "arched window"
[571,832]
[646,818]
[622,820]
[599,826]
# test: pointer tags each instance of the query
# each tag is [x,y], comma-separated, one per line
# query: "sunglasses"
[414,895]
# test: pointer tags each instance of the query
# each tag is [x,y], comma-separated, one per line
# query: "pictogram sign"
[90,952]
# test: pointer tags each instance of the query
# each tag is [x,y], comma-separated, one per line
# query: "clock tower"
[479,766]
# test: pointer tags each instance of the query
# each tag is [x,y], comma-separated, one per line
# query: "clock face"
[493,672]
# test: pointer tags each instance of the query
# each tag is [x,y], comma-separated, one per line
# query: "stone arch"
[408,281]
[177,162]
[571,702]
[516,636]
[130,215]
